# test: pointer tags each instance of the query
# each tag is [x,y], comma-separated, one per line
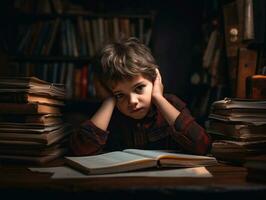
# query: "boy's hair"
[126,59]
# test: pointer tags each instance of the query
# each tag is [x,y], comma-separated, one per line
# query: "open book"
[133,159]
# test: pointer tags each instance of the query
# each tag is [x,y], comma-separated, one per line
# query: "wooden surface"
[227,182]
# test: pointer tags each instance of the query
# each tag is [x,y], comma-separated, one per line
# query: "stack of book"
[31,125]
[238,127]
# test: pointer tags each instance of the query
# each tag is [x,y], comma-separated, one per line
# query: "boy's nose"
[133,100]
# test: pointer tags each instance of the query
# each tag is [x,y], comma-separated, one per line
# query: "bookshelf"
[57,40]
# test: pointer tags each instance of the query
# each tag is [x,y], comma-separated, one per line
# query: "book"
[230,103]
[47,137]
[249,111]
[237,152]
[30,108]
[250,119]
[31,85]
[241,132]
[12,97]
[33,159]
[27,128]
[14,150]
[34,120]
[134,159]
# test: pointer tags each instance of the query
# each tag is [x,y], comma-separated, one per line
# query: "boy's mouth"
[136,110]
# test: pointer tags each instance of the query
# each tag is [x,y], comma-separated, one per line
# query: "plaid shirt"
[152,132]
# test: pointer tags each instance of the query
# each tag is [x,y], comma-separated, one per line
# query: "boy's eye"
[140,88]
[118,96]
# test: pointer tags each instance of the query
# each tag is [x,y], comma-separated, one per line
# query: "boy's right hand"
[102,92]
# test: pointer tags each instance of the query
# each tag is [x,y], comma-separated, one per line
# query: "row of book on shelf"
[31,124]
[78,36]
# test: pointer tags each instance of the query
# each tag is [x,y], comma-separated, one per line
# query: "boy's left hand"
[157,85]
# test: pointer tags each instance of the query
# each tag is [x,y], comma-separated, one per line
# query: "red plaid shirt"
[152,132]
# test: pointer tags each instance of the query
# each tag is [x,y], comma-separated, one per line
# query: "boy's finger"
[158,74]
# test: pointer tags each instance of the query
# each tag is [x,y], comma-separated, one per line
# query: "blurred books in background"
[31,125]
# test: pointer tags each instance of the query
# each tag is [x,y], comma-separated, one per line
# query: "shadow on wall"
[176,36]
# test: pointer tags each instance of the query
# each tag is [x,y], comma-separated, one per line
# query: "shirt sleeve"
[191,137]
[88,140]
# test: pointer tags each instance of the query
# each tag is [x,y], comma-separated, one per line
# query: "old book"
[12,97]
[31,85]
[241,132]
[30,108]
[14,150]
[27,128]
[249,119]
[134,159]
[237,152]
[47,138]
[40,143]
[33,159]
[239,110]
[34,120]
[236,103]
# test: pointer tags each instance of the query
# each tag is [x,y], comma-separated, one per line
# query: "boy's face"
[133,96]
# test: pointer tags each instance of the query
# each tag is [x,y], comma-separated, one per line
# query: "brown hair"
[125,59]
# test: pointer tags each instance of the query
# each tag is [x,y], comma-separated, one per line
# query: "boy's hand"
[157,86]
[102,92]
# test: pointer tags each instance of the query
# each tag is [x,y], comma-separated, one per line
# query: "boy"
[135,113]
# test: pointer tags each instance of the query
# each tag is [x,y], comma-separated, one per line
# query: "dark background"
[178,40]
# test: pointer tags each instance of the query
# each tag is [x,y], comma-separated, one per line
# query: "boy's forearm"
[169,112]
[103,115]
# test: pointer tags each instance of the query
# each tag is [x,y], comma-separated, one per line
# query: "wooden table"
[228,182]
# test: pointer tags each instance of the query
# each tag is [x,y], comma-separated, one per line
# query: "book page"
[158,154]
[110,162]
